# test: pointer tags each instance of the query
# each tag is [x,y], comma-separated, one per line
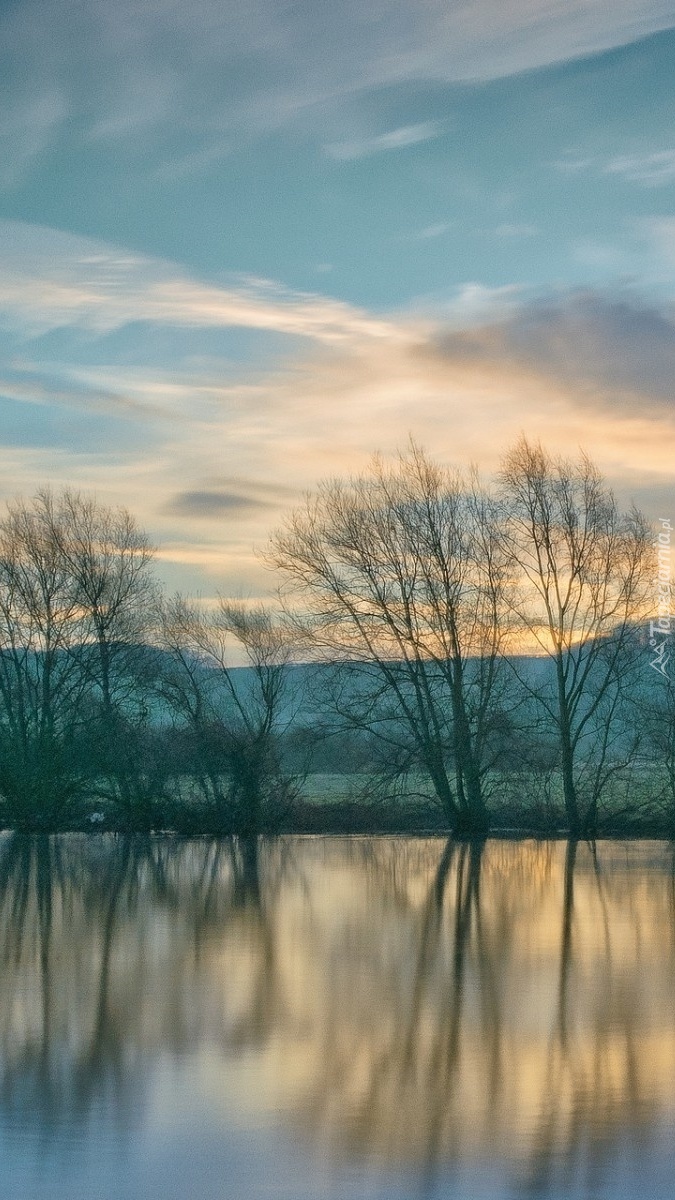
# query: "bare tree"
[583,570]
[109,562]
[234,717]
[42,692]
[76,594]
[401,574]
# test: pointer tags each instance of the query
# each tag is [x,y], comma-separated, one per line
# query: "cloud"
[221,69]
[657,235]
[28,126]
[650,170]
[471,303]
[32,385]
[208,504]
[219,450]
[50,279]
[395,139]
[554,368]
[213,503]
[432,231]
[609,352]
[583,369]
[573,162]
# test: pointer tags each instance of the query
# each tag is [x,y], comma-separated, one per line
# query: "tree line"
[468,641]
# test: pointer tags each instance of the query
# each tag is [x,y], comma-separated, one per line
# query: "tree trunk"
[567,753]
[474,816]
[442,788]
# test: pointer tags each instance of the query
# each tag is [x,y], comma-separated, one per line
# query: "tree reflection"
[418,1002]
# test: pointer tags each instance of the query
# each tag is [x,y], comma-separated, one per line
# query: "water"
[333,1019]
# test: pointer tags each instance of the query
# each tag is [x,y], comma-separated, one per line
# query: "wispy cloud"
[395,139]
[50,279]
[429,232]
[468,304]
[573,162]
[656,235]
[28,127]
[133,66]
[654,169]
[651,170]
[232,448]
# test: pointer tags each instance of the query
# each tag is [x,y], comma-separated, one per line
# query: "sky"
[245,245]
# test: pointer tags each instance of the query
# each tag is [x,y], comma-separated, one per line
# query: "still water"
[332,1019]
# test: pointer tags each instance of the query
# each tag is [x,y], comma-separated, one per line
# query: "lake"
[335,1018]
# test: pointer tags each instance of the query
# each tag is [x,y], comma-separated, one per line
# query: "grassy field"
[636,802]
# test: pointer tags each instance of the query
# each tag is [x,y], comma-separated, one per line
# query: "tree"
[76,593]
[401,575]
[42,690]
[234,718]
[109,562]
[583,571]
[655,709]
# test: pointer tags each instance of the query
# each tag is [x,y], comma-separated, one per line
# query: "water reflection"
[396,1006]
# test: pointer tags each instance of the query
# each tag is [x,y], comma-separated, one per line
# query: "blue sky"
[244,246]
